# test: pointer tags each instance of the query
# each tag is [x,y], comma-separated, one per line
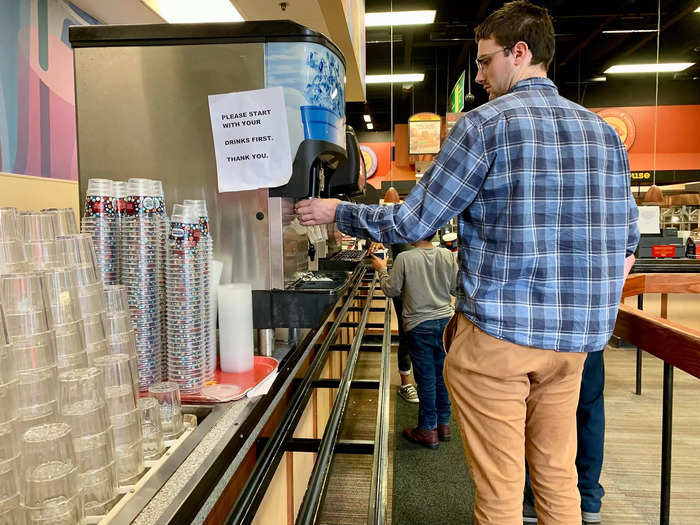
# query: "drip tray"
[303,304]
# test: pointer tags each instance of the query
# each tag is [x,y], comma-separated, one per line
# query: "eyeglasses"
[483,61]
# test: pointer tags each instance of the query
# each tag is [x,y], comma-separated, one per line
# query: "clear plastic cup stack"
[151,428]
[164,223]
[121,338]
[78,249]
[83,407]
[140,260]
[120,193]
[95,337]
[100,221]
[12,257]
[63,220]
[167,394]
[50,479]
[205,258]
[89,290]
[23,303]
[36,226]
[185,280]
[37,371]
[124,414]
[9,225]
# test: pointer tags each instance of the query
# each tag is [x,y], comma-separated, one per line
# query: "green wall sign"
[457,96]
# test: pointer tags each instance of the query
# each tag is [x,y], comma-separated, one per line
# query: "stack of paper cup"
[236,327]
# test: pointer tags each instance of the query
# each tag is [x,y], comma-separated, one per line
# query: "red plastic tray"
[262,367]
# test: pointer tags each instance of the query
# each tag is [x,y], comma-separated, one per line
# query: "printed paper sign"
[251,141]
[649,217]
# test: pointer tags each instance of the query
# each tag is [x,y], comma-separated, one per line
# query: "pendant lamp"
[654,195]
[392,196]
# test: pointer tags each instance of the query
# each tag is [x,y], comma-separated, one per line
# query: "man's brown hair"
[521,21]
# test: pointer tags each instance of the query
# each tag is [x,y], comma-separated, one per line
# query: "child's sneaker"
[408,393]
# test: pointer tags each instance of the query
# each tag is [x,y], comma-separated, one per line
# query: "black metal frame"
[247,503]
[376,513]
[666,428]
[318,482]
[638,384]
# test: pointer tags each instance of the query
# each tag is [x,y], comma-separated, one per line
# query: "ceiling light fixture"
[370,126]
[367,118]
[186,11]
[649,68]
[399,18]
[601,78]
[697,10]
[396,78]
[621,31]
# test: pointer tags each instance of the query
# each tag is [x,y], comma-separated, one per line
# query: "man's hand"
[377,263]
[312,212]
[375,246]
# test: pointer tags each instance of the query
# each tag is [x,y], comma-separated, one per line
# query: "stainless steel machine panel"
[142,111]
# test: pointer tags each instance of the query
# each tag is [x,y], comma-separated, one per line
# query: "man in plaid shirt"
[546,222]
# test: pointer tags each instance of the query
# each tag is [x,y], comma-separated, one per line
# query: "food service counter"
[212,464]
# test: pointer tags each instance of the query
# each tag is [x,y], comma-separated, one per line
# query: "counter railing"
[676,345]
[313,498]
[244,509]
[377,500]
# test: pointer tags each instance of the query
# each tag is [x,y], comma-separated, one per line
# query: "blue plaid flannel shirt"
[546,218]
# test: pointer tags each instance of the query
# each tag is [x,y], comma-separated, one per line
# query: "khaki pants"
[513,402]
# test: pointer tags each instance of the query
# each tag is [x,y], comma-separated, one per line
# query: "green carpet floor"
[430,486]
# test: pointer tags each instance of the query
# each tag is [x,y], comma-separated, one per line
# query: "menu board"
[424,134]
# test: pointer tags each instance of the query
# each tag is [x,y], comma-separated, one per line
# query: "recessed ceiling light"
[186,11]
[601,78]
[649,68]
[399,18]
[368,118]
[396,78]
[620,31]
[370,126]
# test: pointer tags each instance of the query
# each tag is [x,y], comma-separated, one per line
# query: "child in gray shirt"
[425,278]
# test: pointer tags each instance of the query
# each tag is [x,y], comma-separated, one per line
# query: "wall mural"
[37,104]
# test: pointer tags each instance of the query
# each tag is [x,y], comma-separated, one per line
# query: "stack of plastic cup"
[100,221]
[40,249]
[208,297]
[12,257]
[164,224]
[60,296]
[121,338]
[151,428]
[140,262]
[23,303]
[89,290]
[63,220]
[9,445]
[168,396]
[124,415]
[187,329]
[51,490]
[37,372]
[119,189]
[9,225]
[83,407]
[95,337]
[77,249]
[36,227]
[71,351]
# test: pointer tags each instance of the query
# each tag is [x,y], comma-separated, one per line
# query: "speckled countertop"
[158,509]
